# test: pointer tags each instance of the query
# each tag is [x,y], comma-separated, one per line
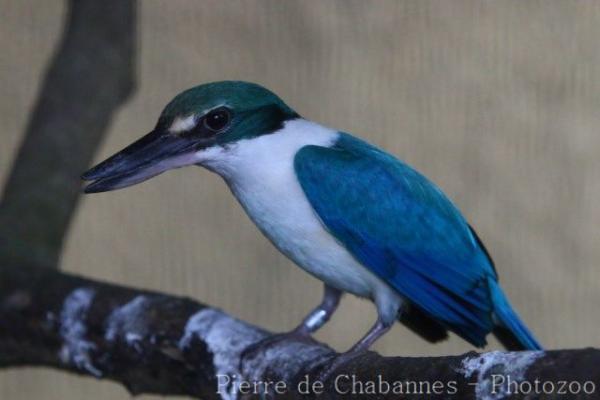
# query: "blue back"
[404,229]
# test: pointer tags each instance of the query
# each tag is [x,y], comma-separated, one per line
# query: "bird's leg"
[321,313]
[310,324]
[378,330]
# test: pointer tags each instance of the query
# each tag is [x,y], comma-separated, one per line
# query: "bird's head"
[195,122]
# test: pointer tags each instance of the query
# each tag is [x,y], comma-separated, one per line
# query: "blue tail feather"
[510,320]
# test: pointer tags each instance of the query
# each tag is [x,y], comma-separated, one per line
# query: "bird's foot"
[258,348]
[338,361]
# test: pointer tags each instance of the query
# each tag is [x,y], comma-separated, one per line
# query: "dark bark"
[90,76]
[155,343]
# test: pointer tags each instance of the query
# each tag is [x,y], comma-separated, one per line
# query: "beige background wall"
[498,102]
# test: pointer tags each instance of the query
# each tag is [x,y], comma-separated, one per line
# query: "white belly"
[282,212]
[261,175]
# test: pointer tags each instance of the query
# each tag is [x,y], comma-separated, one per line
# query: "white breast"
[260,173]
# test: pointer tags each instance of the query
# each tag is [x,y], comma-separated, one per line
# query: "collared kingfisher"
[352,215]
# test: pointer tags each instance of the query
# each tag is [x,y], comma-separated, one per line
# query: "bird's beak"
[149,156]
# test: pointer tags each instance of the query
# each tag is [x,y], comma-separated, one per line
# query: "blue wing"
[402,227]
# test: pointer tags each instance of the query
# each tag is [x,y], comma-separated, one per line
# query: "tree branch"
[90,76]
[156,343]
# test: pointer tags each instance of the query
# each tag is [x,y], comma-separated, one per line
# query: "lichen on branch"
[156,343]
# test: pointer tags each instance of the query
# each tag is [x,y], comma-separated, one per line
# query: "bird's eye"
[217,119]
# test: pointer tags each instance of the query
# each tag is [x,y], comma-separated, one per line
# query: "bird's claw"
[257,348]
[336,362]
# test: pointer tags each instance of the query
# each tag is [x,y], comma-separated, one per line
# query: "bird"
[352,215]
